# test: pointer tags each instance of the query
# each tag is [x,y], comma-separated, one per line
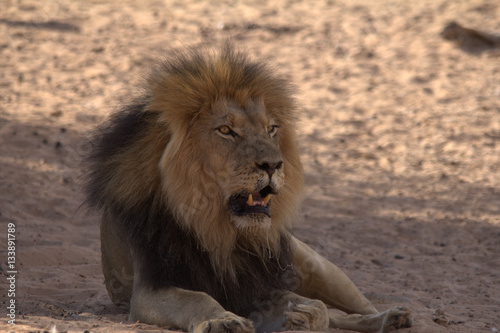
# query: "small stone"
[441,321]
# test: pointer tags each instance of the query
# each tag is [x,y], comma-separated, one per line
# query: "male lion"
[198,182]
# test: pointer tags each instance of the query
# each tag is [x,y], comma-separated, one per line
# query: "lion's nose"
[270,167]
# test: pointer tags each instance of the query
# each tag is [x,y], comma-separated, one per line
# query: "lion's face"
[228,164]
[240,148]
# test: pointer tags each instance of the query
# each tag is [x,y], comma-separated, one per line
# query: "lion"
[198,182]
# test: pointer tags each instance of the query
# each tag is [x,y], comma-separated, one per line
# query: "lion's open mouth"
[254,203]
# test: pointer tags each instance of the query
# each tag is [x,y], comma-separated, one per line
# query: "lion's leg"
[323,280]
[191,311]
[306,314]
[381,322]
[116,262]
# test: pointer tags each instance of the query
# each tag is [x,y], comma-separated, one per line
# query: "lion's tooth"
[266,199]
[250,200]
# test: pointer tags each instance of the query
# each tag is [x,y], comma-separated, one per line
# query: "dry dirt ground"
[400,140]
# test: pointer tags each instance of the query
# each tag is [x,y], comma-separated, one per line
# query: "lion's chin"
[252,221]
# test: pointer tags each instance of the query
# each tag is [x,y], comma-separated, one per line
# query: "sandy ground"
[400,140]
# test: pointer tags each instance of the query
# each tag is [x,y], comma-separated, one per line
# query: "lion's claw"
[310,317]
[395,318]
[226,323]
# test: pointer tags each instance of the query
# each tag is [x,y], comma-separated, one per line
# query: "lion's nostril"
[270,167]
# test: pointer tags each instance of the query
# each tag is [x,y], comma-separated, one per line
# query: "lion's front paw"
[307,317]
[227,323]
[395,318]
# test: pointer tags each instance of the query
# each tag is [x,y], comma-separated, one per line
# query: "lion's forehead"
[252,115]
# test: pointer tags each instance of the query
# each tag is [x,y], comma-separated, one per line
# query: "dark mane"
[108,141]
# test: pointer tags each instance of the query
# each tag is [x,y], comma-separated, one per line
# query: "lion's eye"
[272,130]
[226,130]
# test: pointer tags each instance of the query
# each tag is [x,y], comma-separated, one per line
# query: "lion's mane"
[146,169]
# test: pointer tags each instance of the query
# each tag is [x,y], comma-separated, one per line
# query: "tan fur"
[181,159]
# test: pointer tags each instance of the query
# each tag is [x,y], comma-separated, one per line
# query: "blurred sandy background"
[400,140]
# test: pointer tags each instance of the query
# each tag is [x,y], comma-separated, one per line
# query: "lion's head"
[217,147]
[238,153]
